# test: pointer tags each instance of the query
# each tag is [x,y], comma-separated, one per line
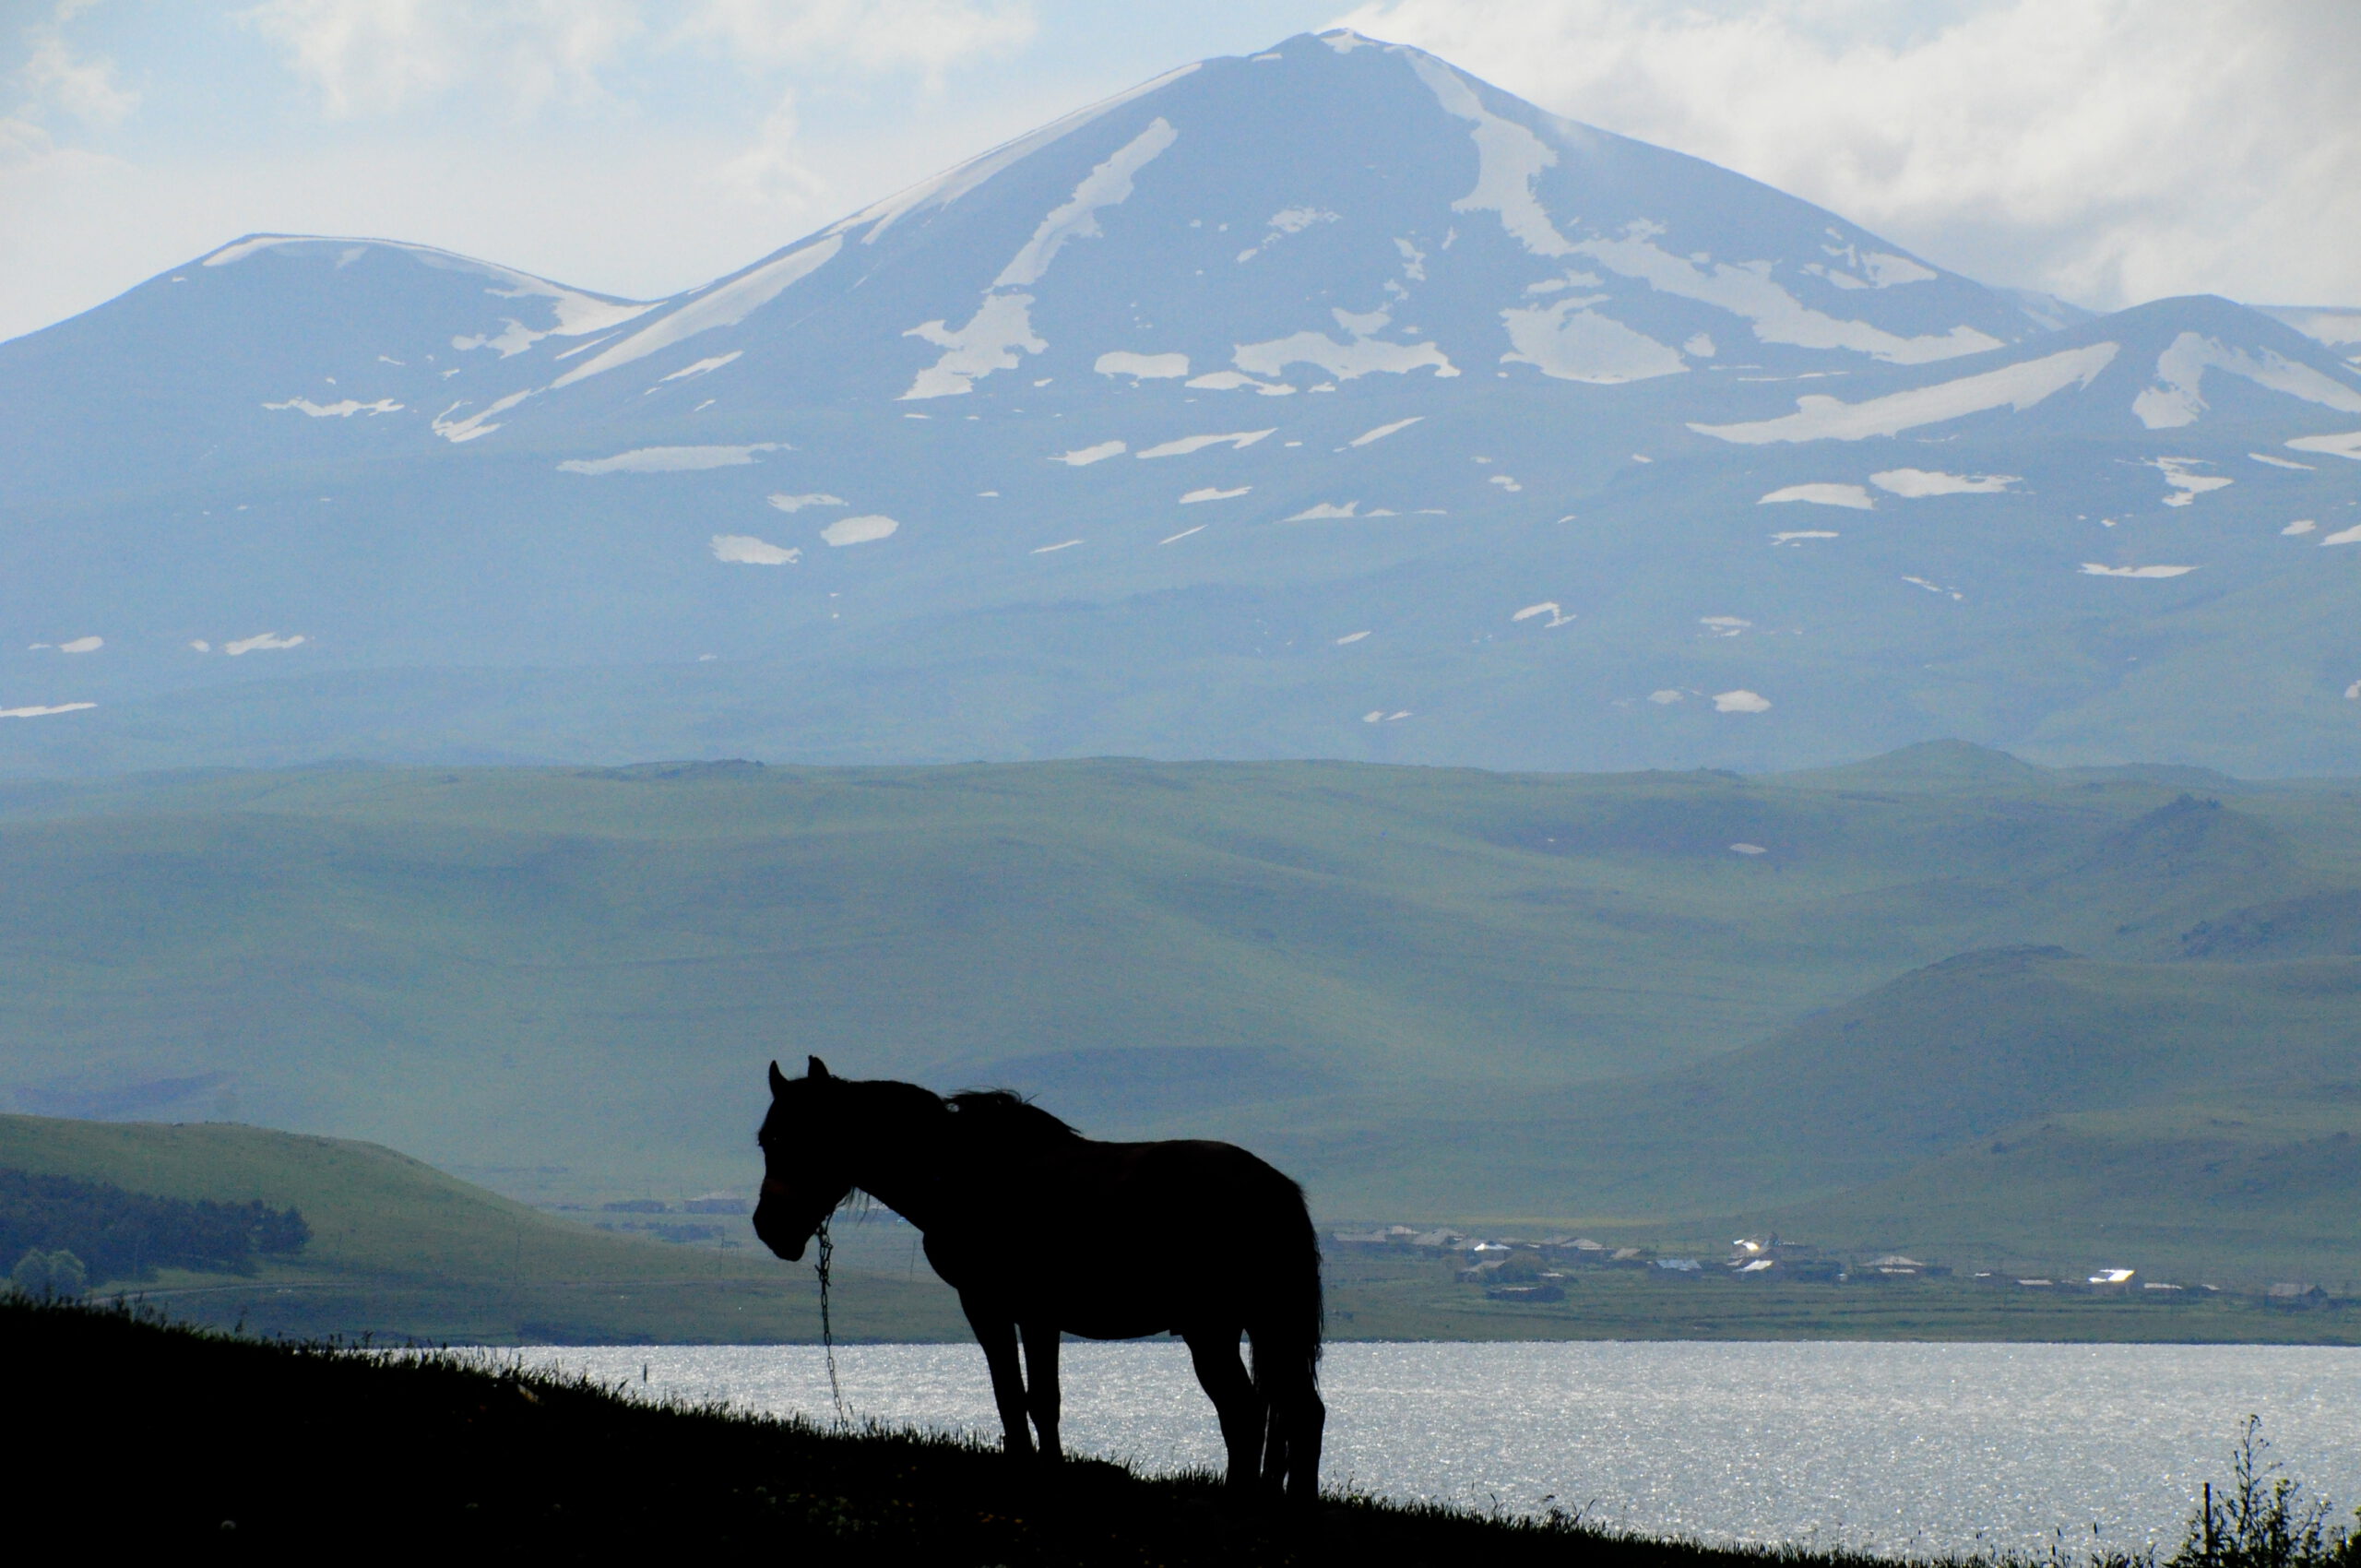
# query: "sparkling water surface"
[1920,1449]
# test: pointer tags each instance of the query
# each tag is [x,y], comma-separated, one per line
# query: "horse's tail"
[1287,1341]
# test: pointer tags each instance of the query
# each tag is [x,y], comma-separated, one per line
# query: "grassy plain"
[1390,1298]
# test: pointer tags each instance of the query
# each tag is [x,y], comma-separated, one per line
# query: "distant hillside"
[1623,999]
[399,1248]
[2229,1189]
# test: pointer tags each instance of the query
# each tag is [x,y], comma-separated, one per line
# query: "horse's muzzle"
[775,1231]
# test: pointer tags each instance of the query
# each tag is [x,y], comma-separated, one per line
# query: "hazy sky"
[2110,150]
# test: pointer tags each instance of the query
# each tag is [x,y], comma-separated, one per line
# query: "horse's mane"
[1001,1111]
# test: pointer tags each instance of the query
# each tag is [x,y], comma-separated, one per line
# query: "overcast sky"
[2108,151]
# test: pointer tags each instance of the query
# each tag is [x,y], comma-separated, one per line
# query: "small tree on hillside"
[50,1275]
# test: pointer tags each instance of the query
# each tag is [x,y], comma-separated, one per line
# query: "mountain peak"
[1327,400]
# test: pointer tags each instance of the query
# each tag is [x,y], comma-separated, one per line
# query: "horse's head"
[805,1166]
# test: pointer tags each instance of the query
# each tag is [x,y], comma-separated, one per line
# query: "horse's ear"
[817,1068]
[778,1080]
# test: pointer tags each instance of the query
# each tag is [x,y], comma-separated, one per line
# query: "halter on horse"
[1197,1238]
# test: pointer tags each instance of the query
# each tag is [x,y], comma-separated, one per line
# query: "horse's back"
[1186,1177]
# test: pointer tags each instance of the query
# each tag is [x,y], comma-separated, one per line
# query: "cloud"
[378,56]
[55,77]
[772,168]
[2108,151]
[873,35]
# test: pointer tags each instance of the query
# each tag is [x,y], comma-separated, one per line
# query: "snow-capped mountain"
[1325,402]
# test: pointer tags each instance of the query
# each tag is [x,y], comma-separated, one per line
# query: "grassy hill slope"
[398,1248]
[439,1458]
[2225,1190]
[1629,998]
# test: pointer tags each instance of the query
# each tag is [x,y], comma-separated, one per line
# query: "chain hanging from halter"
[827,1249]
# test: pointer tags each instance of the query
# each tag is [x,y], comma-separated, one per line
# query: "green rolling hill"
[1637,999]
[399,1248]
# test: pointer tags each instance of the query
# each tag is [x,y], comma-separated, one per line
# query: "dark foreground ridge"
[160,1435]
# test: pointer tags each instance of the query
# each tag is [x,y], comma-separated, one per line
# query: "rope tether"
[828,1331]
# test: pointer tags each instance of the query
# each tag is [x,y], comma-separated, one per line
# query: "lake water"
[1920,1449]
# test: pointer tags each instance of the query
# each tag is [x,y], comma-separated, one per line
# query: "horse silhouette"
[1192,1238]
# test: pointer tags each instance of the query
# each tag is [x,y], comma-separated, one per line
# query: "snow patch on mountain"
[702,366]
[1822,494]
[343,409]
[2018,386]
[1002,323]
[1001,326]
[1570,342]
[1142,367]
[1231,380]
[1083,456]
[1381,431]
[1915,483]
[1363,354]
[1209,494]
[787,502]
[2176,398]
[2187,486]
[1237,440]
[1109,185]
[1854,268]
[722,305]
[1746,290]
[2094,569]
[262,642]
[857,531]
[1289,220]
[746,550]
[45,712]
[2345,445]
[1509,159]
[475,425]
[671,459]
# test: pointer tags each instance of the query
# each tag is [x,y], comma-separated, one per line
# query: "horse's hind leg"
[998,1336]
[1223,1374]
[1297,1418]
[1307,1420]
[1041,1384]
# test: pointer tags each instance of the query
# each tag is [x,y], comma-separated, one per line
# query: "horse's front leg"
[1041,1384]
[996,1332]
